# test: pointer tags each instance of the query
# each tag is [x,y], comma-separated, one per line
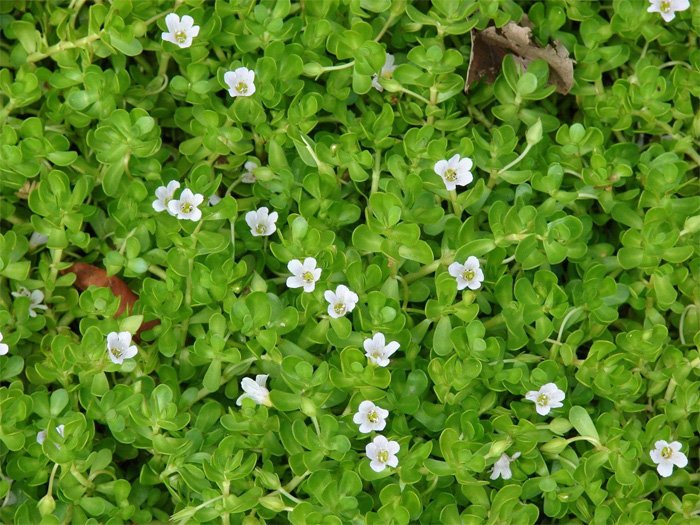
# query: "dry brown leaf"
[491,45]
[88,275]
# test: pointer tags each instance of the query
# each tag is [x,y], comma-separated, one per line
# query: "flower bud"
[498,448]
[46,505]
[555,446]
[273,503]
[534,133]
[313,69]
[308,407]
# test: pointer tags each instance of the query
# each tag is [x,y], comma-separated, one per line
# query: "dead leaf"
[88,275]
[491,45]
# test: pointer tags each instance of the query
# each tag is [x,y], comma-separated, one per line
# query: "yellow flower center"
[186,207]
[468,275]
[180,36]
[308,277]
[542,400]
[116,352]
[383,456]
[261,228]
[450,175]
[242,87]
[666,452]
[339,308]
[376,354]
[665,6]
[372,417]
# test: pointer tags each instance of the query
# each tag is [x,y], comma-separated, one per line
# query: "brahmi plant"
[269,262]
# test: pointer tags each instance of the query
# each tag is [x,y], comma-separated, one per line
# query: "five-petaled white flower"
[36,297]
[248,177]
[41,435]
[378,351]
[255,390]
[180,32]
[3,347]
[381,453]
[386,72]
[340,302]
[546,398]
[666,455]
[164,194]
[455,171]
[370,417]
[468,275]
[304,275]
[261,222]
[668,8]
[502,466]
[37,239]
[240,81]
[119,347]
[186,206]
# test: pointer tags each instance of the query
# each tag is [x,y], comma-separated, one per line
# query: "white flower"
[119,347]
[241,82]
[186,206]
[304,274]
[377,351]
[502,466]
[248,176]
[370,417]
[180,32]
[455,172]
[668,8]
[36,297]
[37,239]
[255,390]
[468,275]
[340,302]
[386,72]
[41,435]
[666,455]
[546,398]
[3,347]
[381,453]
[261,222]
[164,194]
[214,200]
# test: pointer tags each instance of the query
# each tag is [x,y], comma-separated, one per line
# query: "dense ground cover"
[345,291]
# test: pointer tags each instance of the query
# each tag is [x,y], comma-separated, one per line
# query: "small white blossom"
[261,222]
[37,239]
[666,455]
[3,347]
[546,398]
[668,8]
[164,194]
[386,72]
[370,417]
[502,466]
[255,390]
[378,351]
[340,302]
[241,82]
[119,347]
[468,275]
[180,32]
[455,171]
[248,177]
[303,274]
[41,435]
[381,453]
[36,297]
[186,207]
[214,200]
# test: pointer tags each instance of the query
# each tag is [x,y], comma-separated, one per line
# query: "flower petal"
[172,21]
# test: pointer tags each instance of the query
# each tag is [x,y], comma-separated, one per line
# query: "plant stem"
[376,171]
[425,270]
[516,161]
[63,46]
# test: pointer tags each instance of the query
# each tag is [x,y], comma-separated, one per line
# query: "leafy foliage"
[584,213]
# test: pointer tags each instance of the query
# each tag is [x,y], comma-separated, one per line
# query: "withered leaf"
[491,45]
[88,275]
